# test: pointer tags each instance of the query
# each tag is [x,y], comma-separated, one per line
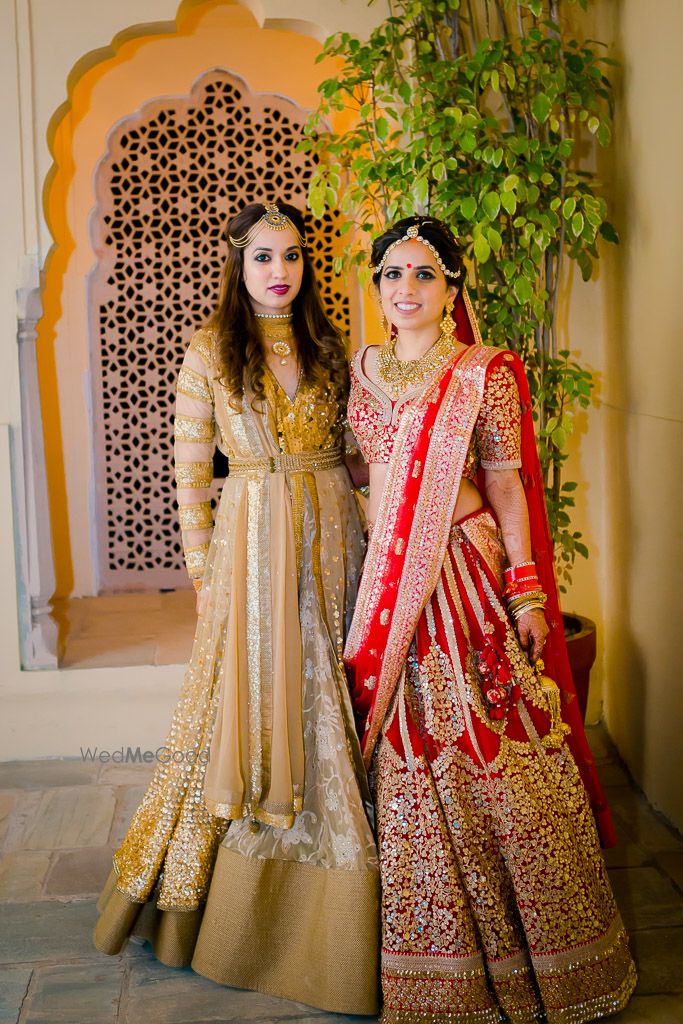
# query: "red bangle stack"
[522,588]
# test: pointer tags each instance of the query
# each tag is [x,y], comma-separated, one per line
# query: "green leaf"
[568,207]
[482,249]
[382,127]
[577,224]
[468,142]
[468,207]
[593,124]
[421,190]
[609,232]
[559,437]
[541,105]
[571,485]
[495,241]
[491,205]
[509,202]
[510,182]
[523,290]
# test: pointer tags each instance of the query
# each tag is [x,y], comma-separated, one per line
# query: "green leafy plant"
[478,112]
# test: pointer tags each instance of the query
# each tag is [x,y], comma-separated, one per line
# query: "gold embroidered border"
[203,342]
[195,517]
[254,641]
[194,385]
[449,965]
[431,524]
[191,428]
[193,474]
[195,559]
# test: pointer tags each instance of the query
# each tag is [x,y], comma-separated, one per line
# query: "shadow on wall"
[625,668]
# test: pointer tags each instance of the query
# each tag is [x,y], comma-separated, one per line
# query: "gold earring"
[386,329]
[448,324]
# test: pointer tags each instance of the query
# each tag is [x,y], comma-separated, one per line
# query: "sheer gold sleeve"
[195,433]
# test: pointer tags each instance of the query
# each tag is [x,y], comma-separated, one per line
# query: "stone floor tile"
[130,773]
[160,995]
[652,1010]
[22,875]
[14,982]
[128,800]
[69,993]
[7,804]
[613,773]
[175,650]
[23,812]
[627,855]
[48,930]
[637,821]
[659,955]
[646,898]
[111,652]
[79,872]
[70,818]
[671,862]
[48,774]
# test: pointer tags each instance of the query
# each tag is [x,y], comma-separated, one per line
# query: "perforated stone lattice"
[172,176]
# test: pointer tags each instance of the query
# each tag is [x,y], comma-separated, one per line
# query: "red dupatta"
[410,536]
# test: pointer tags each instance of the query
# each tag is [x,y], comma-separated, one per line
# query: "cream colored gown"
[251,854]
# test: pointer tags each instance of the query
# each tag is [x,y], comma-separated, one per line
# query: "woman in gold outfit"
[495,899]
[251,855]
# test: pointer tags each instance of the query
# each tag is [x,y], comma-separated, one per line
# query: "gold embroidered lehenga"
[496,903]
[251,855]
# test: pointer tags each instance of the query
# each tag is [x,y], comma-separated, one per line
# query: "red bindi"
[409,266]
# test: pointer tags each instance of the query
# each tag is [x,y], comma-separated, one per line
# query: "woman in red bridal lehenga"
[496,903]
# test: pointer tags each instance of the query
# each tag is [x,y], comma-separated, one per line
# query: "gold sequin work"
[374,418]
[496,902]
[236,747]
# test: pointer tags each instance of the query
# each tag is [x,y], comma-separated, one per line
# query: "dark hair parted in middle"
[436,232]
[321,349]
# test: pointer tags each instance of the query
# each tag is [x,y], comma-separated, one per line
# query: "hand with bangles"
[532,630]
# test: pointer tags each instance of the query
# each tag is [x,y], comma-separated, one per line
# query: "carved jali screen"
[172,176]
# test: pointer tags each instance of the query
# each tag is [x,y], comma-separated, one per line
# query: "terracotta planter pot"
[580,634]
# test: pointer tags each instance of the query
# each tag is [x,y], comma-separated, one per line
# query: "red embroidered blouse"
[374,419]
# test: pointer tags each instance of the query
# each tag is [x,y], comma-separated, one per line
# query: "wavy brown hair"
[321,350]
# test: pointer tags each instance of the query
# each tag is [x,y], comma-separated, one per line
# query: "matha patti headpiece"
[413,233]
[273,219]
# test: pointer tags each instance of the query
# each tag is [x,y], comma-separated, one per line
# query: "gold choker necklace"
[277,331]
[399,375]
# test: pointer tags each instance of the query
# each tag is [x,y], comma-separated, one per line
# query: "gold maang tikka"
[273,219]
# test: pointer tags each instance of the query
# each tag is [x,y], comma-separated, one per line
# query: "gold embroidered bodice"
[311,421]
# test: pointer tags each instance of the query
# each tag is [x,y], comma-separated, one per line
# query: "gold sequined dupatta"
[411,533]
[256,764]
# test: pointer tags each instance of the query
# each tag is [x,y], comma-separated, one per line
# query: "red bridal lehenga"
[496,903]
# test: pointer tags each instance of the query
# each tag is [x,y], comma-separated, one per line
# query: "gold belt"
[286,462]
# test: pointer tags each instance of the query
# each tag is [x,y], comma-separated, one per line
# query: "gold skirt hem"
[294,930]
[171,933]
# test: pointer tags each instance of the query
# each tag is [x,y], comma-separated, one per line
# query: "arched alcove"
[173,173]
[152,65]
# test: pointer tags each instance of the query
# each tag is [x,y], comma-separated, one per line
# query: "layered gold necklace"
[399,375]
[277,331]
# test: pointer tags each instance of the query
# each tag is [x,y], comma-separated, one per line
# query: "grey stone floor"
[60,820]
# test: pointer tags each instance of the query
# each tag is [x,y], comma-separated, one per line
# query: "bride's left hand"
[532,630]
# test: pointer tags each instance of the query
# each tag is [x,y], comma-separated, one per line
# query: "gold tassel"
[558,728]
